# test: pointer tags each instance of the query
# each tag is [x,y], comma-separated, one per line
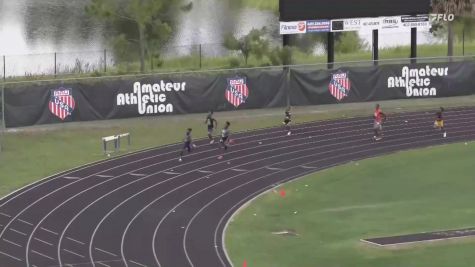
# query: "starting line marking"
[6,215]
[44,242]
[10,256]
[16,231]
[171,173]
[76,241]
[308,167]
[104,176]
[49,231]
[134,262]
[13,243]
[106,252]
[25,222]
[41,254]
[74,253]
[103,264]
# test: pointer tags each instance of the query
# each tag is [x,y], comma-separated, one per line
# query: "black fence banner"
[385,82]
[99,99]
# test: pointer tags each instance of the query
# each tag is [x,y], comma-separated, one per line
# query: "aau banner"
[313,87]
[100,99]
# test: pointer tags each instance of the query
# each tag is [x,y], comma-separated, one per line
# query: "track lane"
[44,238]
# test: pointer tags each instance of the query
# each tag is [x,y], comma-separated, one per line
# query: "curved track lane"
[147,209]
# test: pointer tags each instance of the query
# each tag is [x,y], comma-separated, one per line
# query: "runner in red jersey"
[379,118]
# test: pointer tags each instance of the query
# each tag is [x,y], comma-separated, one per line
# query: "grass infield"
[404,193]
[31,153]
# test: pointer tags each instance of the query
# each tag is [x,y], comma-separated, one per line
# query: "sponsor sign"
[417,82]
[293,27]
[391,22]
[356,24]
[340,85]
[237,91]
[318,25]
[415,21]
[62,103]
[151,98]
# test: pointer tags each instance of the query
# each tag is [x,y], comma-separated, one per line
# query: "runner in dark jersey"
[212,124]
[379,118]
[287,120]
[187,144]
[439,121]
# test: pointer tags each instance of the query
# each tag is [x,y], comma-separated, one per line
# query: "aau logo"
[340,85]
[237,91]
[61,102]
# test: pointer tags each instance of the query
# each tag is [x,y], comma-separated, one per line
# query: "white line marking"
[76,241]
[104,176]
[138,174]
[371,243]
[43,255]
[10,256]
[74,253]
[203,171]
[106,252]
[239,170]
[25,222]
[103,264]
[308,167]
[13,243]
[49,231]
[44,242]
[171,173]
[71,178]
[139,264]
[16,231]
[4,214]
[274,169]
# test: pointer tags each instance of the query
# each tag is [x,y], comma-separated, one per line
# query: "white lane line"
[16,231]
[6,215]
[76,241]
[139,264]
[103,264]
[203,171]
[43,255]
[10,256]
[106,252]
[274,169]
[104,176]
[73,253]
[25,222]
[71,178]
[49,231]
[171,173]
[239,170]
[13,243]
[138,174]
[44,242]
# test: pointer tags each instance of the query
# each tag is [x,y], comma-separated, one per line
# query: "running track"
[147,209]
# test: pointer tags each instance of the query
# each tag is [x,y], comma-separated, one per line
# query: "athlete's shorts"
[223,139]
[187,146]
[378,126]
[439,123]
[210,129]
[286,121]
